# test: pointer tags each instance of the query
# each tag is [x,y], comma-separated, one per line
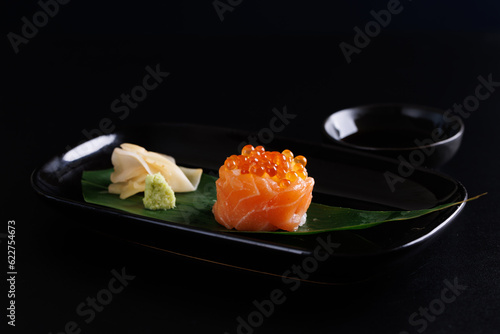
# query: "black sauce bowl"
[418,135]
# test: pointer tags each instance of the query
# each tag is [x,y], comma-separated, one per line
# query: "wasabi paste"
[158,195]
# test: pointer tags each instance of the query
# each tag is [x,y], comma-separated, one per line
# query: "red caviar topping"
[292,176]
[257,170]
[260,149]
[271,171]
[284,183]
[281,167]
[287,153]
[300,159]
[247,150]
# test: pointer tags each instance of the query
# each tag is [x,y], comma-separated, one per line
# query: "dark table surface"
[59,88]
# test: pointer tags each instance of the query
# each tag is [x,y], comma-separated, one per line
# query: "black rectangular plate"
[344,177]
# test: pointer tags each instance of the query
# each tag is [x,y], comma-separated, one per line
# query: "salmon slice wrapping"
[264,192]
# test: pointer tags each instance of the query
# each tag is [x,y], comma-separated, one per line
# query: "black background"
[232,74]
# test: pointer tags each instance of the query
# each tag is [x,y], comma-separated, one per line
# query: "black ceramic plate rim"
[401,105]
[245,237]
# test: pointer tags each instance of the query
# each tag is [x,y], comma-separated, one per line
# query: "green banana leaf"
[195,208]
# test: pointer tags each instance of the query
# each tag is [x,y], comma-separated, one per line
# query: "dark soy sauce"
[391,138]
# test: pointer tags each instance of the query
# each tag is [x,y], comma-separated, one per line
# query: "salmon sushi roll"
[263,191]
